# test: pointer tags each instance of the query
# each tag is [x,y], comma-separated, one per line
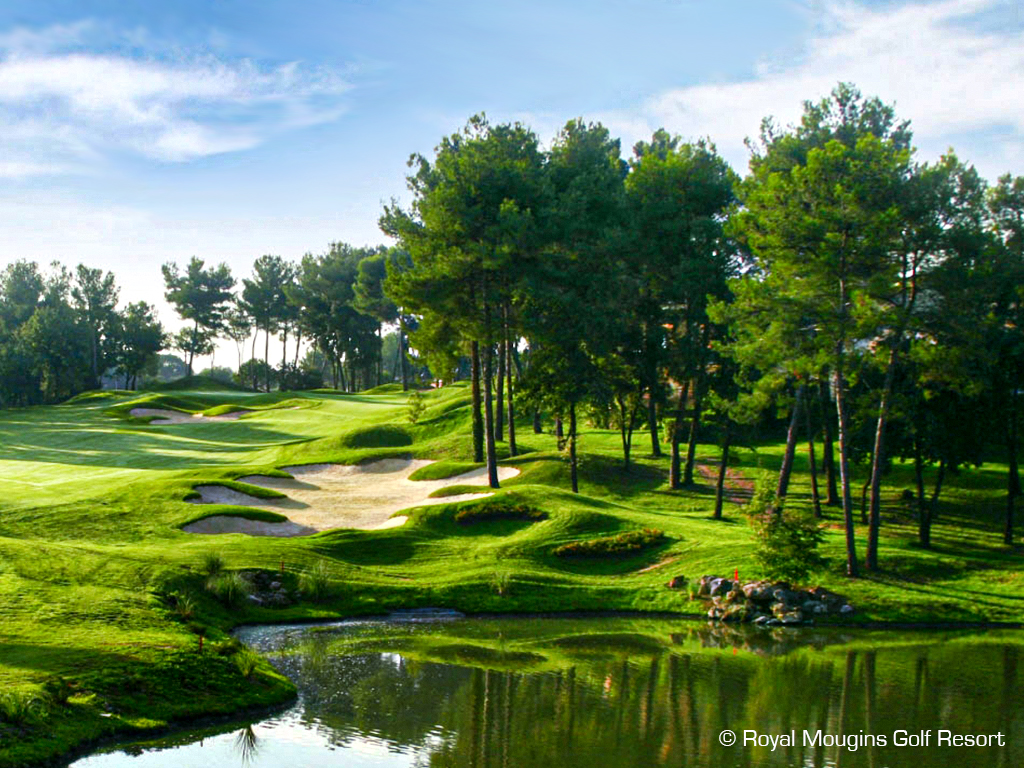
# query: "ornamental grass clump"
[315,582]
[21,708]
[229,587]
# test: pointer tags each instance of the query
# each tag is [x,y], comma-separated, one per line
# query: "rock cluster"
[769,603]
[266,589]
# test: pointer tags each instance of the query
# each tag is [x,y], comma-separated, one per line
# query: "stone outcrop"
[769,603]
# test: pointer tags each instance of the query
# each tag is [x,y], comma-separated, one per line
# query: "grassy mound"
[383,436]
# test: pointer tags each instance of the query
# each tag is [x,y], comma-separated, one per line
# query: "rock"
[704,587]
[677,582]
[735,613]
[792,617]
[762,619]
[846,610]
[275,585]
[255,599]
[715,613]
[758,591]
[813,606]
[720,587]
[734,596]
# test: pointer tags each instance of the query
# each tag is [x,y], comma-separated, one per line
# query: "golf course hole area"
[165,416]
[322,497]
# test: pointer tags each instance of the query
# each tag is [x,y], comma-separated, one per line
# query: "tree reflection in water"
[636,698]
[614,693]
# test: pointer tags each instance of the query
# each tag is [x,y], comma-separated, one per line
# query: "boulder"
[720,587]
[677,582]
[704,587]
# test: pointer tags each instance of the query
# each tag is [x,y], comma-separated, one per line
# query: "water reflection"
[616,692]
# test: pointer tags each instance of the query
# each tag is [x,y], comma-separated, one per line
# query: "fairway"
[64,453]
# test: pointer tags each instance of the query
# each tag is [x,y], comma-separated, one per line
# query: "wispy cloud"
[959,79]
[65,106]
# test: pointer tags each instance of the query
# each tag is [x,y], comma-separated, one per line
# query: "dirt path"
[738,489]
[321,497]
[165,416]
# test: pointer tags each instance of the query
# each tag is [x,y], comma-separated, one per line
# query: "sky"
[136,133]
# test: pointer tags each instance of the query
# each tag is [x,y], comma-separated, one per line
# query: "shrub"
[785,543]
[628,543]
[230,588]
[501,509]
[416,407]
[21,708]
[213,564]
[315,582]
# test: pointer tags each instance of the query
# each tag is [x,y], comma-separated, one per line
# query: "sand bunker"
[325,496]
[164,416]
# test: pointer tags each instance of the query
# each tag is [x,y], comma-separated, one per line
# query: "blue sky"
[141,132]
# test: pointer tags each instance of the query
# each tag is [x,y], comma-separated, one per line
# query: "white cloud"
[169,109]
[956,80]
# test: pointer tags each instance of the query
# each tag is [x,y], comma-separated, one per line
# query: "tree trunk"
[1012,477]
[625,432]
[499,415]
[675,463]
[652,425]
[192,346]
[844,476]
[266,356]
[404,361]
[691,448]
[572,448]
[380,354]
[924,521]
[934,508]
[537,427]
[787,458]
[559,432]
[877,462]
[478,422]
[284,346]
[722,471]
[252,360]
[815,495]
[492,458]
[513,450]
[828,463]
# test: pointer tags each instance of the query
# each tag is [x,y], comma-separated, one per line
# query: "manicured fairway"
[92,501]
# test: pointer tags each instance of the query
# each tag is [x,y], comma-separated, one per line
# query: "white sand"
[164,416]
[326,496]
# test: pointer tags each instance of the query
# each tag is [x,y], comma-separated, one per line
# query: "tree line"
[333,301]
[61,332]
[869,301]
[872,300]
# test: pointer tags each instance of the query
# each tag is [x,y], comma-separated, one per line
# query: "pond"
[617,692]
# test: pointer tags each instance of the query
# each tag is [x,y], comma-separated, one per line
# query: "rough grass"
[90,547]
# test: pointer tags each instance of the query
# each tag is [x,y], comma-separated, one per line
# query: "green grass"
[92,501]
